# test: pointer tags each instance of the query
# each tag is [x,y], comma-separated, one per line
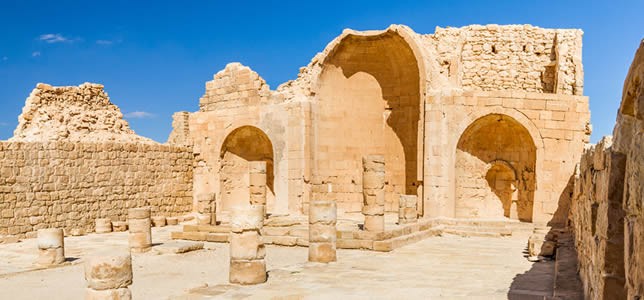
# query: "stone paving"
[444,267]
[448,267]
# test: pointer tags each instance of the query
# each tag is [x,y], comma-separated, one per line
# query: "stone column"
[108,276]
[407,212]
[51,247]
[158,221]
[247,252]
[103,225]
[257,183]
[514,211]
[140,238]
[206,208]
[322,232]
[373,191]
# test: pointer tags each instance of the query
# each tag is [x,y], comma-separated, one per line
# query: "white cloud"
[104,42]
[51,38]
[139,115]
[35,54]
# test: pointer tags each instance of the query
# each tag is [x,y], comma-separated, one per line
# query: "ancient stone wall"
[629,141]
[180,134]
[607,212]
[72,113]
[235,86]
[74,158]
[551,131]
[411,97]
[511,57]
[241,120]
[598,221]
[69,184]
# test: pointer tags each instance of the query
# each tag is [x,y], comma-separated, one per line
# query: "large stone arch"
[241,145]
[368,101]
[486,141]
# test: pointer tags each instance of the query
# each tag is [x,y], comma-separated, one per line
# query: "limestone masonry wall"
[607,212]
[511,57]
[234,86]
[598,221]
[68,185]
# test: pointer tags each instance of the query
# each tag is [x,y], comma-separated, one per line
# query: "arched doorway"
[495,167]
[242,145]
[368,102]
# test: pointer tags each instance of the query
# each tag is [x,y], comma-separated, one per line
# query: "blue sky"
[154,57]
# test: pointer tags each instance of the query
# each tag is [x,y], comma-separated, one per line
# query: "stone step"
[485,223]
[492,230]
[200,236]
[177,247]
[469,233]
[206,228]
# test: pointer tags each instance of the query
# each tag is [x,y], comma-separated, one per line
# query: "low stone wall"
[69,185]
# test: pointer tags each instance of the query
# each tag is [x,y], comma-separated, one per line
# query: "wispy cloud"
[3,124]
[104,42]
[139,115]
[4,58]
[35,54]
[51,38]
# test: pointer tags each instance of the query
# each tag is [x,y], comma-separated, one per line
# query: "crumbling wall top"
[72,113]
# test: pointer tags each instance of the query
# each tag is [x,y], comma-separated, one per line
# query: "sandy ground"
[442,267]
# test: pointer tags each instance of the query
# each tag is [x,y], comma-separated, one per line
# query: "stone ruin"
[472,125]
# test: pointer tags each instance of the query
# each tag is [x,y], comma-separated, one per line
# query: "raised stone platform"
[293,231]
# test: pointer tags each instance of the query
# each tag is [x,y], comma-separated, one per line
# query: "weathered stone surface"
[247,271]
[103,225]
[322,252]
[606,213]
[178,247]
[105,271]
[140,229]
[159,221]
[246,246]
[50,256]
[74,177]
[138,213]
[51,238]
[72,113]
[172,221]
[247,218]
[323,212]
[119,226]
[114,294]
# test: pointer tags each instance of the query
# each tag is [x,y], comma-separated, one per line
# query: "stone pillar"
[514,213]
[158,221]
[108,276]
[247,252]
[257,183]
[206,207]
[51,247]
[140,238]
[103,225]
[407,212]
[322,232]
[119,226]
[373,191]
